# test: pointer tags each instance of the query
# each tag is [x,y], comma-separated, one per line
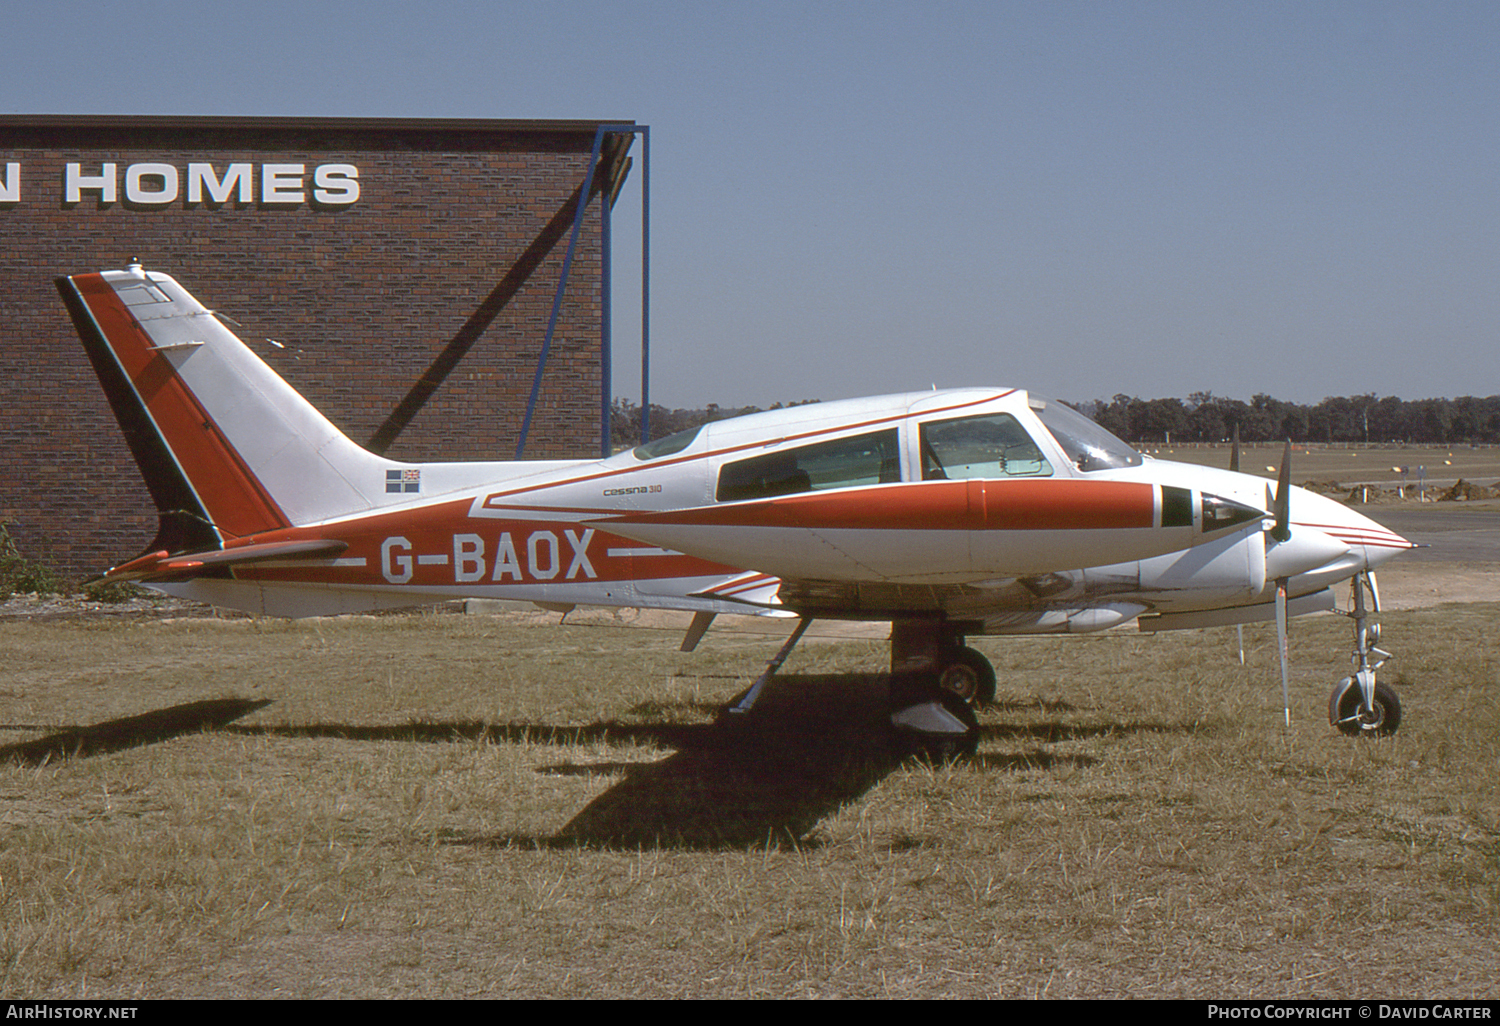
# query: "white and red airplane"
[948,513]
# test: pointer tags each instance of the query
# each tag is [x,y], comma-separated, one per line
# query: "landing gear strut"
[936,683]
[935,648]
[1359,706]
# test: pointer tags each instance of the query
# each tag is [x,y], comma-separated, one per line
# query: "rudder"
[227,448]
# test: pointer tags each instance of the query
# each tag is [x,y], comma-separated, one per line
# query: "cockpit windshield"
[1088,445]
[666,446]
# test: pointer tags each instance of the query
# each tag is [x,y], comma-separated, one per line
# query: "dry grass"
[448,806]
[1477,464]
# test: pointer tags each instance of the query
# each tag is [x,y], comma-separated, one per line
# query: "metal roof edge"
[558,125]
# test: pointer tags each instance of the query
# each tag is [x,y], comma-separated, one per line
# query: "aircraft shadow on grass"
[131,731]
[812,745]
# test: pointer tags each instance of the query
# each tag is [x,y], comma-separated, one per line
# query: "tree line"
[1202,417]
[625,419]
[1205,417]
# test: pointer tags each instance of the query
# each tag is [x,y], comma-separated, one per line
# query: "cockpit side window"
[995,445]
[842,463]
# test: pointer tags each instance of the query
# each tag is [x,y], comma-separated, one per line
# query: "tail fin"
[227,448]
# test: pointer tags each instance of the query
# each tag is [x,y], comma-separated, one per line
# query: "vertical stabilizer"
[226,447]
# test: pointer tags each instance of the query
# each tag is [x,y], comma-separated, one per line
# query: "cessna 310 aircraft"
[948,513]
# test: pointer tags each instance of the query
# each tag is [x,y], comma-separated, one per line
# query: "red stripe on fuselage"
[1375,535]
[228,489]
[976,505]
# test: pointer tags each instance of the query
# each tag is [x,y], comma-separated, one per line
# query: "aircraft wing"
[1055,603]
[751,588]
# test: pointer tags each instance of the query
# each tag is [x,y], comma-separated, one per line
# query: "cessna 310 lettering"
[948,513]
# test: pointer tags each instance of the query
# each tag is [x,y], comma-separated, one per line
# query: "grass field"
[457,806]
[1351,464]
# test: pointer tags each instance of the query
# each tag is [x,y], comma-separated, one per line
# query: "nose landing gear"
[1359,706]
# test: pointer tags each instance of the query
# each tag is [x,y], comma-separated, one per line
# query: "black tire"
[938,752]
[1343,710]
[968,675]
[938,749]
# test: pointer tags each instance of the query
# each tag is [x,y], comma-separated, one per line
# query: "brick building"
[364,247]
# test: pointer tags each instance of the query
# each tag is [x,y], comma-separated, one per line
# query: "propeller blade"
[1234,450]
[1286,701]
[1283,505]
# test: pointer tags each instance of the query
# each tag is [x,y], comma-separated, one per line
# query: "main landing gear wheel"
[968,675]
[1345,713]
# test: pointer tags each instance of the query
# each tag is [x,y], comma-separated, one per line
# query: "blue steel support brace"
[606,345]
[605,400]
[645,284]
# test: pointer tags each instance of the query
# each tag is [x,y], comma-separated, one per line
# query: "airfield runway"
[1459,560]
[1449,532]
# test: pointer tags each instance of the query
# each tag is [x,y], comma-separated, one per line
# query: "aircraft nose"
[1373,543]
[1304,551]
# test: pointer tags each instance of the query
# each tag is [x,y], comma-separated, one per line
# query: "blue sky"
[850,198]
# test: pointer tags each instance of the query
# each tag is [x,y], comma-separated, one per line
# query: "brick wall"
[361,295]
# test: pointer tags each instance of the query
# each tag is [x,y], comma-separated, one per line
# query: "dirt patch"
[41,608]
[1468,491]
[1421,585]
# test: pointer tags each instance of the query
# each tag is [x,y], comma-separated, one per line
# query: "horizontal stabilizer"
[162,566]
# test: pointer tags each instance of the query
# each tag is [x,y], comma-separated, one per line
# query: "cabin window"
[842,463]
[990,446]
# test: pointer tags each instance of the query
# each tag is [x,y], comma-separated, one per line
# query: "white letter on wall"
[75,181]
[135,192]
[201,175]
[282,183]
[337,184]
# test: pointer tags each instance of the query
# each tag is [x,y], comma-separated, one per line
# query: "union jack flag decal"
[403,481]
